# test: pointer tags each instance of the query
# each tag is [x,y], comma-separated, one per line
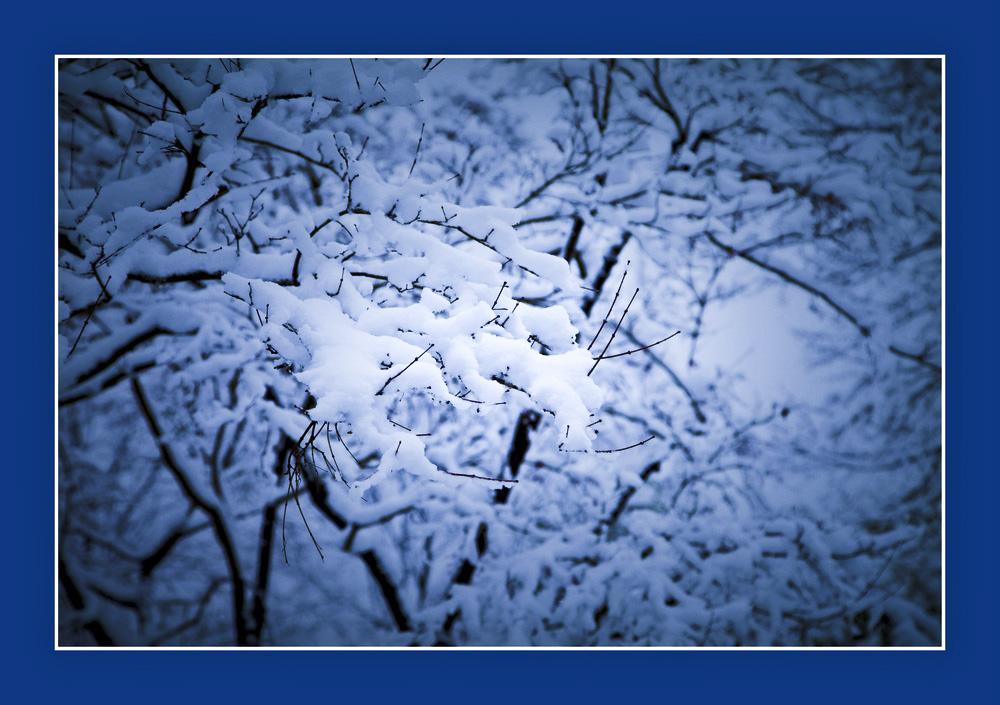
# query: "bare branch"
[219,525]
[379,392]
[600,357]
[644,347]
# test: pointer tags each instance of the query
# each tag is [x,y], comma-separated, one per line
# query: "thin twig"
[417,153]
[295,495]
[614,450]
[644,347]
[612,308]
[478,477]
[614,333]
[336,428]
[634,445]
[497,300]
[90,312]
[379,392]
[356,81]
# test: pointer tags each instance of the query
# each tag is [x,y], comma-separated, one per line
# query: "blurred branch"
[623,500]
[220,527]
[77,601]
[795,281]
[673,376]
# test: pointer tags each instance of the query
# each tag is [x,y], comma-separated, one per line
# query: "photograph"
[585,352]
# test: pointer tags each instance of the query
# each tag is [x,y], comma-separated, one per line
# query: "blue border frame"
[514,26]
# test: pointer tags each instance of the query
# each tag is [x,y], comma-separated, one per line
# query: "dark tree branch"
[287,150]
[176,277]
[220,527]
[743,254]
[196,618]
[627,495]
[919,359]
[159,84]
[264,546]
[122,350]
[124,107]
[661,101]
[526,423]
[77,601]
[610,260]
[574,236]
[148,564]
[388,590]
